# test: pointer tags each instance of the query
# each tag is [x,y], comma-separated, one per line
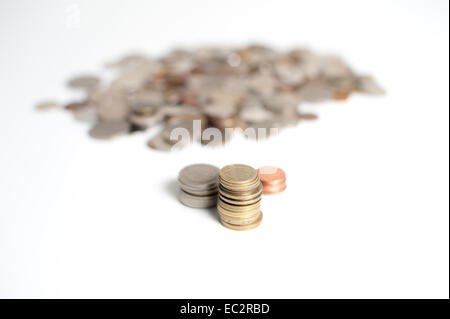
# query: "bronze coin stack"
[273,179]
[239,197]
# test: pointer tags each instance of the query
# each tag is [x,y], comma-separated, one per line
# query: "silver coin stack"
[198,185]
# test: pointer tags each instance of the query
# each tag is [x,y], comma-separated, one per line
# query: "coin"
[198,185]
[239,197]
[254,88]
[86,115]
[242,196]
[109,129]
[76,106]
[239,208]
[307,116]
[341,94]
[159,143]
[239,216]
[146,117]
[200,176]
[274,189]
[238,174]
[84,82]
[220,111]
[242,216]
[271,175]
[238,202]
[197,201]
[366,84]
[112,108]
[255,114]
[47,105]
[241,222]
[272,178]
[243,227]
[247,188]
[196,192]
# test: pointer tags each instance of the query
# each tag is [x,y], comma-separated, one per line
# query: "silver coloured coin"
[86,82]
[367,85]
[316,92]
[109,129]
[197,201]
[146,121]
[200,177]
[112,108]
[220,110]
[255,114]
[159,143]
[86,114]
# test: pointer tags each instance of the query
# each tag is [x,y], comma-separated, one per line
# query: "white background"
[366,211]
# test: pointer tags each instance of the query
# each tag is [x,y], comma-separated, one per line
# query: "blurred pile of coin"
[239,198]
[198,185]
[248,87]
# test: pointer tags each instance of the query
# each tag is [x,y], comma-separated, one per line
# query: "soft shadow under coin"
[212,212]
[172,188]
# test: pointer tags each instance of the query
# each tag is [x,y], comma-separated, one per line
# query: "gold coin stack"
[239,197]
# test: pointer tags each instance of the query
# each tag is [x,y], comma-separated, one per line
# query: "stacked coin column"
[198,185]
[239,199]
[273,179]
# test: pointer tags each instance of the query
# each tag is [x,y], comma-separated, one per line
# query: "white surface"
[366,211]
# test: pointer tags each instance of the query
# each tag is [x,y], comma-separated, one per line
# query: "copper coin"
[307,116]
[274,189]
[272,178]
[271,175]
[75,106]
[341,95]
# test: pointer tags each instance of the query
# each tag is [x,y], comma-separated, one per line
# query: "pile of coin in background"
[198,185]
[239,198]
[248,87]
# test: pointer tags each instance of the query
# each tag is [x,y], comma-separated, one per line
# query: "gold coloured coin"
[239,202]
[238,174]
[248,183]
[243,227]
[240,188]
[236,208]
[240,215]
[248,196]
[239,221]
[239,197]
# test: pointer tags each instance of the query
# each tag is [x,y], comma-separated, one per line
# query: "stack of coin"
[239,198]
[198,185]
[273,179]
